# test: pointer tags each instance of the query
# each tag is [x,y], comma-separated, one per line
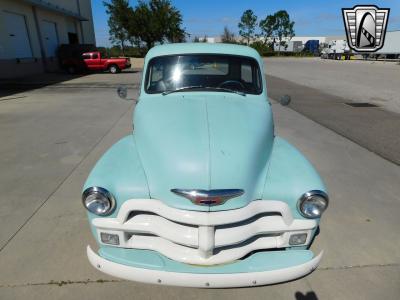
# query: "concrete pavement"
[374,128]
[44,228]
[45,133]
[360,81]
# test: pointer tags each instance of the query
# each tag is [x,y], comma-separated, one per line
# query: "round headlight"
[98,201]
[312,204]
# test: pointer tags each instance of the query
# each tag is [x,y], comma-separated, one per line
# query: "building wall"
[54,28]
[335,38]
[87,27]
[303,39]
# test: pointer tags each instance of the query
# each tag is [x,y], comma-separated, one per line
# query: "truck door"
[96,61]
[87,59]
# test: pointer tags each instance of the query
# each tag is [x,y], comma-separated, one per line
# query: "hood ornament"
[210,198]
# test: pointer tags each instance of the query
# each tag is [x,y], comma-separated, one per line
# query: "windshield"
[203,72]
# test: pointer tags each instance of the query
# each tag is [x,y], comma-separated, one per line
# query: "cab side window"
[246,73]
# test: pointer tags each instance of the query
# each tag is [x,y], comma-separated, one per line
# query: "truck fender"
[120,171]
[290,175]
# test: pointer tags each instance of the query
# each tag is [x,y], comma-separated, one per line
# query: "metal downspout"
[78,5]
[39,33]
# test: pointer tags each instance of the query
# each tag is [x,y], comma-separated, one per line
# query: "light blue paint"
[203,140]
[185,141]
[290,175]
[258,262]
[119,171]
[193,48]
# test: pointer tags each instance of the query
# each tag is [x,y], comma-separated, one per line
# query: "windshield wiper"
[227,90]
[182,89]
[203,87]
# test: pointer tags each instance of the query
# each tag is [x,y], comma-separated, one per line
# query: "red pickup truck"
[94,61]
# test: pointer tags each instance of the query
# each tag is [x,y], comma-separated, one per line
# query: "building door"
[71,29]
[50,37]
[18,37]
[73,38]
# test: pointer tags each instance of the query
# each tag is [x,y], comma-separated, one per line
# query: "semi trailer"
[390,49]
[336,49]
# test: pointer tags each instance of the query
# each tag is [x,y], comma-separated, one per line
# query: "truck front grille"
[204,238]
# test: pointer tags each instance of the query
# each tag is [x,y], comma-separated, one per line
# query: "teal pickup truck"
[203,193]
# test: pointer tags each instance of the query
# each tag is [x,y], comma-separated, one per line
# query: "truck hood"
[207,141]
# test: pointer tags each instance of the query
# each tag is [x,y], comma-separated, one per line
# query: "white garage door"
[50,37]
[18,37]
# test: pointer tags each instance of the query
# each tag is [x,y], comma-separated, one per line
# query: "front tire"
[113,69]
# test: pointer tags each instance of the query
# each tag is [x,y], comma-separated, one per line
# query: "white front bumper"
[203,280]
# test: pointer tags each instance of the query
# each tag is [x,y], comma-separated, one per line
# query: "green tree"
[283,29]
[267,27]
[118,20]
[228,36]
[196,39]
[156,21]
[247,25]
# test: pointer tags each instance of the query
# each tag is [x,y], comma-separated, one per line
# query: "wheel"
[113,69]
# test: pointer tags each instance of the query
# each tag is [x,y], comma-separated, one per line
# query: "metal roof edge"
[55,8]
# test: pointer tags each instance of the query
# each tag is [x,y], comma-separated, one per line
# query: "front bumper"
[261,268]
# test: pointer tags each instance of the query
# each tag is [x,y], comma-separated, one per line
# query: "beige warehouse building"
[32,30]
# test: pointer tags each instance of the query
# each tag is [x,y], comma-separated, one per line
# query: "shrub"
[262,48]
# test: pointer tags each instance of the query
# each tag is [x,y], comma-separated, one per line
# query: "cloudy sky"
[208,17]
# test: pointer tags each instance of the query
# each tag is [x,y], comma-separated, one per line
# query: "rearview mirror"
[285,100]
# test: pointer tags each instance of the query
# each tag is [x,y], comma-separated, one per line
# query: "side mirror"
[285,100]
[122,92]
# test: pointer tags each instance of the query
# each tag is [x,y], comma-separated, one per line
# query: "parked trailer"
[292,46]
[390,49]
[312,46]
[337,49]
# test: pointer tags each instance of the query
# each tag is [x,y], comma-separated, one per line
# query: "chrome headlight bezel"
[101,193]
[308,197]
